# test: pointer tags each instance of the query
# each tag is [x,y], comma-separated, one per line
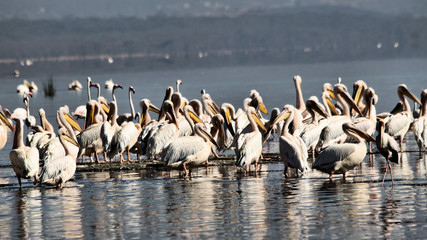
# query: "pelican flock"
[329,135]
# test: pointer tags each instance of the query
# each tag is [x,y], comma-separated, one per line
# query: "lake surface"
[220,201]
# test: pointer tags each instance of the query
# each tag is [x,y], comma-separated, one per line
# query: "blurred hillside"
[59,9]
[286,35]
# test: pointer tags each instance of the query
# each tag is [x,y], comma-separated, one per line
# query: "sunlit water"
[220,201]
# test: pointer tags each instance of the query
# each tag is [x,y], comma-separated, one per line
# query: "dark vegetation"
[49,88]
[283,36]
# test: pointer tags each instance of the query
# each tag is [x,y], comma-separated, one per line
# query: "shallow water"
[220,201]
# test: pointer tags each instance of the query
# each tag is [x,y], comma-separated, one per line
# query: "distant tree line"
[288,35]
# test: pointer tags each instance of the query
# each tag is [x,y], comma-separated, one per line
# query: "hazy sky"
[47,9]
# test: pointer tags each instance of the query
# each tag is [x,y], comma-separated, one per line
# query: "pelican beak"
[357,93]
[258,121]
[212,107]
[411,96]
[72,122]
[132,89]
[331,106]
[263,109]
[4,119]
[282,116]
[316,107]
[221,135]
[194,116]
[105,108]
[331,94]
[350,101]
[226,113]
[209,136]
[154,109]
[70,140]
[359,132]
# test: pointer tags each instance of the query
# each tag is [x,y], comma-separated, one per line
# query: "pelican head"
[200,130]
[252,113]
[297,80]
[358,89]
[313,105]
[65,112]
[258,104]
[341,90]
[351,130]
[402,90]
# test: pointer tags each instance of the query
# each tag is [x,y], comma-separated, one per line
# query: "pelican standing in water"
[58,171]
[397,125]
[388,147]
[340,158]
[420,124]
[292,148]
[3,130]
[249,144]
[24,159]
[190,150]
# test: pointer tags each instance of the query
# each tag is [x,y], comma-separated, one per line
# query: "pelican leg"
[121,158]
[96,158]
[128,155]
[105,156]
[19,181]
[296,172]
[36,179]
[391,173]
[330,175]
[386,168]
[185,169]
[286,171]
[343,176]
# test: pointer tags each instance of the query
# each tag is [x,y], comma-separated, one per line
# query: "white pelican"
[24,159]
[190,150]
[124,140]
[292,148]
[59,170]
[330,134]
[75,85]
[128,117]
[310,132]
[3,130]
[164,133]
[50,147]
[397,125]
[146,123]
[339,158]
[109,84]
[110,127]
[249,145]
[420,124]
[388,147]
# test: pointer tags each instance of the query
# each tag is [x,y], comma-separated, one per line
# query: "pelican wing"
[181,148]
[248,148]
[396,122]
[333,154]
[56,167]
[292,155]
[107,134]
